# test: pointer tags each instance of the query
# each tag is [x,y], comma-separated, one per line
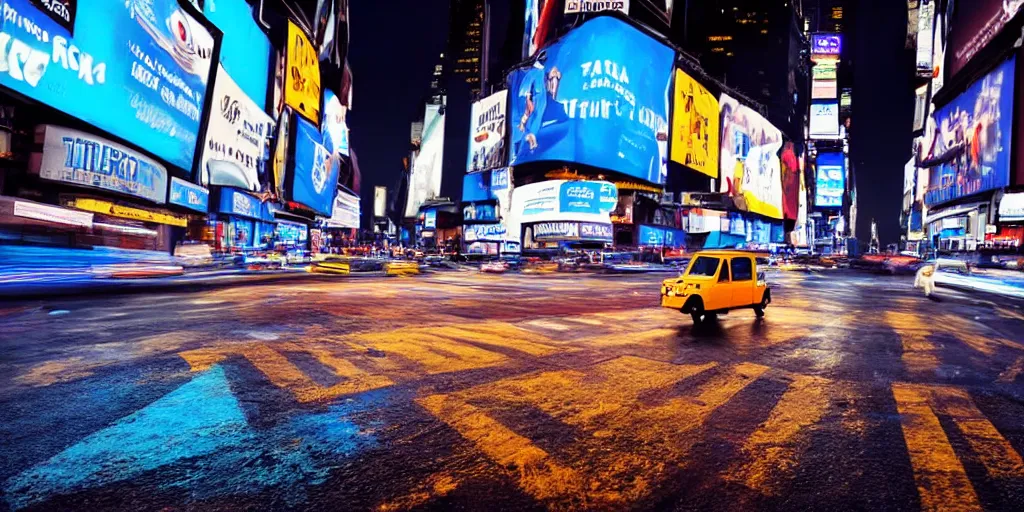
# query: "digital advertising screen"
[314,169]
[144,82]
[334,127]
[345,213]
[826,44]
[975,138]
[487,133]
[790,181]
[975,24]
[380,199]
[830,181]
[585,6]
[236,137]
[695,126]
[425,179]
[599,98]
[824,120]
[302,79]
[244,49]
[925,25]
[541,23]
[751,171]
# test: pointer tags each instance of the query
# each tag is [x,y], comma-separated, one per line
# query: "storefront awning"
[955,211]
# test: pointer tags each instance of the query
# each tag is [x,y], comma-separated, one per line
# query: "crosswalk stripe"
[771,451]
[500,335]
[1013,371]
[919,354]
[435,354]
[941,479]
[549,324]
[994,451]
[538,474]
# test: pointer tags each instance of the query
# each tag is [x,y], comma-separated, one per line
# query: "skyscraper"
[466,41]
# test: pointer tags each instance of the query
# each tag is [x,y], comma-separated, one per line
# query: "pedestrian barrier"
[401,268]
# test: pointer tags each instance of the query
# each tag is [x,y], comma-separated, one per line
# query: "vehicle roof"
[726,252]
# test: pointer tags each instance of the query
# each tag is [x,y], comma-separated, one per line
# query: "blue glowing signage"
[189,195]
[136,68]
[245,49]
[975,142]
[314,170]
[599,97]
[831,180]
[83,159]
[430,219]
[235,202]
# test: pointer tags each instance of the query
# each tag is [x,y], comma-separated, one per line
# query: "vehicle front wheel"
[759,311]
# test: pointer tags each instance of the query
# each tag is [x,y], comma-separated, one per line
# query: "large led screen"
[750,166]
[137,69]
[599,98]
[540,24]
[425,179]
[245,49]
[831,180]
[314,170]
[977,22]
[975,137]
[487,133]
[790,181]
[695,126]
[824,120]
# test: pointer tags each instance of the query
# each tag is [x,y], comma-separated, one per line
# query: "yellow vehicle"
[716,282]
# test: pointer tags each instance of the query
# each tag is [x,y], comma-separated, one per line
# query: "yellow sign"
[126,212]
[302,80]
[695,126]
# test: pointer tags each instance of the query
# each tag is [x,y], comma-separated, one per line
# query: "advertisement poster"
[79,158]
[584,6]
[60,11]
[974,139]
[144,82]
[826,44]
[334,128]
[824,120]
[302,78]
[750,166]
[925,25]
[487,133]
[600,98]
[430,219]
[425,179]
[542,21]
[920,107]
[236,137]
[189,195]
[314,170]
[380,198]
[977,22]
[790,181]
[831,180]
[345,213]
[592,197]
[245,49]
[824,90]
[938,52]
[695,126]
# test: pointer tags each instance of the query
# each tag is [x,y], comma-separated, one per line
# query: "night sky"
[393,52]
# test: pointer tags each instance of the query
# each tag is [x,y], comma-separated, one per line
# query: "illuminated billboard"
[750,166]
[975,138]
[826,44]
[824,71]
[425,175]
[824,90]
[830,181]
[302,80]
[824,120]
[380,198]
[599,98]
[790,181]
[584,6]
[540,24]
[314,170]
[925,26]
[695,126]
[94,77]
[487,133]
[976,23]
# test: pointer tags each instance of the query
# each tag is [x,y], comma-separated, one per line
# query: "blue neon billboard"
[831,180]
[245,49]
[314,170]
[137,69]
[599,97]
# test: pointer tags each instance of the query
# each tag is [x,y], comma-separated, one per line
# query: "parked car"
[715,283]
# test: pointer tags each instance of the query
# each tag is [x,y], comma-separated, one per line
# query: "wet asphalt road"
[477,392]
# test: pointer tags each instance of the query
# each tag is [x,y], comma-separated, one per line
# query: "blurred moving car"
[494,267]
[715,283]
[942,273]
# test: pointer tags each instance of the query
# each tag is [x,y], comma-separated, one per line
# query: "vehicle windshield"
[703,266]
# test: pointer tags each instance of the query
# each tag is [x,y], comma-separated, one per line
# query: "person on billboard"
[541,112]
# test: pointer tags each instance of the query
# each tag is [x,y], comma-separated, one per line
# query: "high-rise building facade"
[466,41]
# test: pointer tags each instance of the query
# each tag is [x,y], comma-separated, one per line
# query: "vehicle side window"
[724,276]
[742,269]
